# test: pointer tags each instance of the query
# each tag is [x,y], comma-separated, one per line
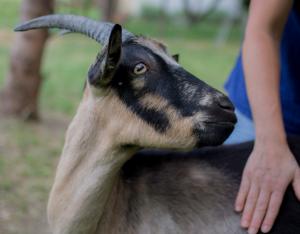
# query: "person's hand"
[270,168]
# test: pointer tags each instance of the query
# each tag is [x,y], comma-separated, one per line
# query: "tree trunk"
[109,8]
[20,94]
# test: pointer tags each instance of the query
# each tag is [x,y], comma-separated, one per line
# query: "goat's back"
[190,192]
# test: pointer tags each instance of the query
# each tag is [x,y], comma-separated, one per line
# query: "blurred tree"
[20,94]
[109,9]
[193,16]
[236,17]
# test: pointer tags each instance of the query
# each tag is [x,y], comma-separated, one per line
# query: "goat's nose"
[225,103]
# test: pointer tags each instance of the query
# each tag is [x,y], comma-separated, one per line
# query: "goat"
[137,97]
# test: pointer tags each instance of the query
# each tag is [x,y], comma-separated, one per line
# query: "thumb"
[296,183]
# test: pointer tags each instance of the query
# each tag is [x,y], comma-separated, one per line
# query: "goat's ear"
[176,57]
[103,70]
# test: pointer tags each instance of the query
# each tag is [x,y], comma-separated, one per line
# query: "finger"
[272,212]
[250,205]
[242,194]
[259,212]
[296,183]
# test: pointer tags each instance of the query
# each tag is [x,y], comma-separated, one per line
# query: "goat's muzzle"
[220,123]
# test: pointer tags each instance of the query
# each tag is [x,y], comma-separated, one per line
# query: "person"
[268,70]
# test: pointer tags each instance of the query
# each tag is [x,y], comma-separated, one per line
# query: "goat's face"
[162,104]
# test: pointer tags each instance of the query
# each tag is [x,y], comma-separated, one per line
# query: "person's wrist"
[271,137]
[270,145]
[270,140]
[271,148]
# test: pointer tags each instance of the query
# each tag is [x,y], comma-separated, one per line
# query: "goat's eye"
[140,69]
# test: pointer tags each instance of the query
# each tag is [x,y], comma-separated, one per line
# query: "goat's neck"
[88,169]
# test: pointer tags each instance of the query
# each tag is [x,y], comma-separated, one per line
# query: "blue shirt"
[289,77]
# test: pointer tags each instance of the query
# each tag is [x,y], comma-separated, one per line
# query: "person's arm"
[271,166]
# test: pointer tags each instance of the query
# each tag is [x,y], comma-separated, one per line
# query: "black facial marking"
[159,82]
[130,95]
[157,119]
[167,81]
[178,88]
[189,103]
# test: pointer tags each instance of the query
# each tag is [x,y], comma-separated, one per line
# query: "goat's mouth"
[214,132]
[221,124]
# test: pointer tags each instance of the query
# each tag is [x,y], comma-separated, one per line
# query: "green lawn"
[29,152]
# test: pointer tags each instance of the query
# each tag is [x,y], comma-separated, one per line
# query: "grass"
[29,152]
[28,156]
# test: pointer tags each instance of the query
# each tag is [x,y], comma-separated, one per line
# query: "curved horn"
[96,30]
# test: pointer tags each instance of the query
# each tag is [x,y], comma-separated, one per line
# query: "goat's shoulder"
[179,192]
[198,187]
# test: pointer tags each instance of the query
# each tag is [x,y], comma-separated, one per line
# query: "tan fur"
[91,156]
[178,124]
[154,101]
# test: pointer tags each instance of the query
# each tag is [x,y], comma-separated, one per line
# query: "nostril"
[225,103]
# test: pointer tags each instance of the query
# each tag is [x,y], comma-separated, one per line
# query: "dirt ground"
[28,156]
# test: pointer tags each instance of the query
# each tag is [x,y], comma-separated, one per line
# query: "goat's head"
[158,102]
